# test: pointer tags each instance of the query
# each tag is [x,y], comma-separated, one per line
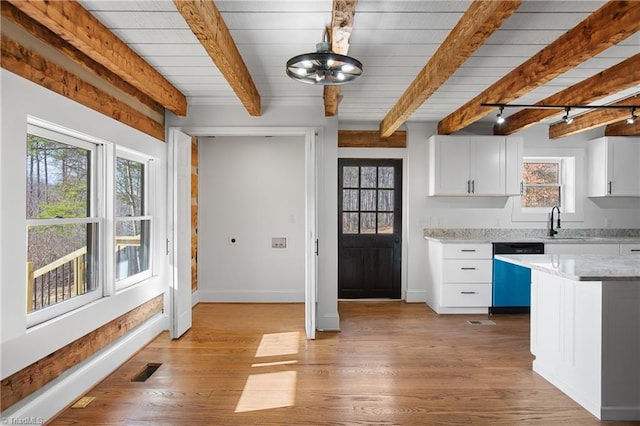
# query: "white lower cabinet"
[629,249]
[461,276]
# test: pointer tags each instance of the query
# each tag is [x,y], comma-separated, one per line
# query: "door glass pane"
[385,200]
[350,200]
[385,223]
[367,223]
[369,177]
[350,177]
[385,177]
[57,179]
[368,200]
[349,223]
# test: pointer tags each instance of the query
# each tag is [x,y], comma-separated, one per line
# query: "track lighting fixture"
[567,108]
[499,117]
[566,117]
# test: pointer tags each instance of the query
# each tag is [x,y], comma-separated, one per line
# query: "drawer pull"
[468,250]
[468,269]
[467,292]
[635,249]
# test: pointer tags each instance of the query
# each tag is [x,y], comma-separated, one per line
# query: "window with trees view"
[542,184]
[132,242]
[62,225]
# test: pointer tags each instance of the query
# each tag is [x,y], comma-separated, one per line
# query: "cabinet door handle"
[635,249]
[468,187]
[468,269]
[468,250]
[473,186]
[467,292]
[521,188]
[609,188]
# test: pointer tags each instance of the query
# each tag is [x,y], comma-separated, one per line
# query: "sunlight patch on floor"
[271,364]
[268,390]
[275,344]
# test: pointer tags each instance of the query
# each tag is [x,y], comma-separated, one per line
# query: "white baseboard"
[413,296]
[253,296]
[328,322]
[46,402]
[195,298]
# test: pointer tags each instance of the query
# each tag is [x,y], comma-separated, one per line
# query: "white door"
[179,232]
[311,242]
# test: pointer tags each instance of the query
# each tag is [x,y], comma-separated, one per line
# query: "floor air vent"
[481,322]
[146,372]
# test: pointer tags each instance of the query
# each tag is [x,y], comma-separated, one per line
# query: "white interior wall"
[251,189]
[309,116]
[20,346]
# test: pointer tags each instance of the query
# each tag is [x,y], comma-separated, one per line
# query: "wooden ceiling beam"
[209,27]
[592,119]
[621,128]
[481,19]
[613,80]
[73,23]
[341,28]
[40,40]
[612,23]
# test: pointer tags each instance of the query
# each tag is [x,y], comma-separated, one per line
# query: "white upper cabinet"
[613,167]
[474,166]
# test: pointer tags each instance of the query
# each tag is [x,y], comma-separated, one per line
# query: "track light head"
[633,117]
[566,117]
[499,117]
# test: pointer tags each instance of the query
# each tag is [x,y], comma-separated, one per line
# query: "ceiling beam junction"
[73,23]
[606,27]
[339,34]
[482,18]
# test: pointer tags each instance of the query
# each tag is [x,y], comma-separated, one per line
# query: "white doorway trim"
[310,135]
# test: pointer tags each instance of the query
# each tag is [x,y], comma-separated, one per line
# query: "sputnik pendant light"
[323,66]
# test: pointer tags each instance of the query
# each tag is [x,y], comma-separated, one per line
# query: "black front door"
[369,228]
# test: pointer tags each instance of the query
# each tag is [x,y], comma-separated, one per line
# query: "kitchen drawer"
[629,249]
[467,270]
[466,295]
[467,251]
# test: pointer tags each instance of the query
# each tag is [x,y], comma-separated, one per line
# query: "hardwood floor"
[392,364]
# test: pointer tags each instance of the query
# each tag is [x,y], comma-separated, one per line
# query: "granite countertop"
[565,236]
[580,267]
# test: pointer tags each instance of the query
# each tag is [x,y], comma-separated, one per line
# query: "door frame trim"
[311,136]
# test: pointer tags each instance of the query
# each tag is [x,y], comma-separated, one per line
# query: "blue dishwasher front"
[511,291]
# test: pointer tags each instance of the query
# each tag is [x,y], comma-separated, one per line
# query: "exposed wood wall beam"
[341,28]
[593,119]
[481,19]
[209,27]
[31,35]
[33,67]
[621,128]
[371,139]
[612,23]
[26,381]
[73,23]
[619,77]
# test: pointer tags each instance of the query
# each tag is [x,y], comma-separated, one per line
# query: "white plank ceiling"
[393,39]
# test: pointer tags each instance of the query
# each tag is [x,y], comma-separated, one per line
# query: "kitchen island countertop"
[581,267]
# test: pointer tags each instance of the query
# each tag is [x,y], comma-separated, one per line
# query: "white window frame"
[66,136]
[147,215]
[562,178]
[572,178]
